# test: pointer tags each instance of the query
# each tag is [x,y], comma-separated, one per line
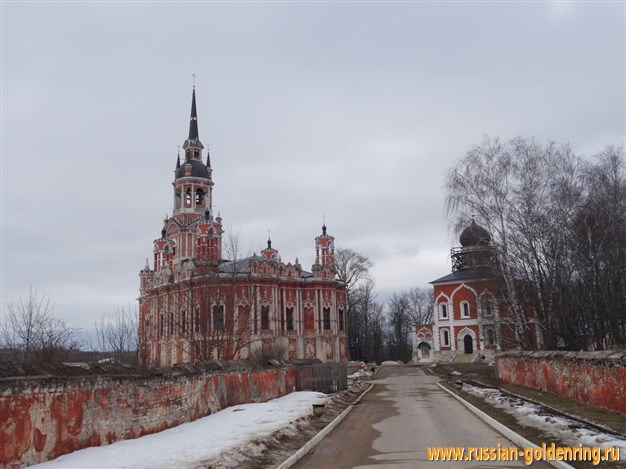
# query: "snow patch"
[187,445]
[570,432]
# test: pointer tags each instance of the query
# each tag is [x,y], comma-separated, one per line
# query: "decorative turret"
[324,255]
[209,239]
[269,253]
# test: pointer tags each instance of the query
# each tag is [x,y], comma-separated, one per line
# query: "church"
[199,301]
[471,319]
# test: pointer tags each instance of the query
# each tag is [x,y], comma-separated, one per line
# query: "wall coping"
[15,377]
[614,357]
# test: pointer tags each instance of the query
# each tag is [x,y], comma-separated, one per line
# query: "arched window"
[443,310]
[326,312]
[218,317]
[490,337]
[341,326]
[265,317]
[445,338]
[289,315]
[199,197]
[188,197]
[465,309]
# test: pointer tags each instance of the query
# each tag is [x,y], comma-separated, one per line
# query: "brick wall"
[593,377]
[44,417]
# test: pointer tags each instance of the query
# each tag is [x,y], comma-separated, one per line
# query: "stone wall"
[592,377]
[42,417]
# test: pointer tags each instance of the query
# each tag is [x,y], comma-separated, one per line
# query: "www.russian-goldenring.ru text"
[545,452]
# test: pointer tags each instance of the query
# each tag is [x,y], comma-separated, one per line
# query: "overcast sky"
[350,110]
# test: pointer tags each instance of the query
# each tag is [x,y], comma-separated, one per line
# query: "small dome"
[474,235]
[198,170]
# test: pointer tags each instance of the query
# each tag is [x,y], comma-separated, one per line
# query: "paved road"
[397,420]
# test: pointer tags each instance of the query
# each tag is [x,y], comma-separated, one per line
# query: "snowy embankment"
[191,443]
[568,431]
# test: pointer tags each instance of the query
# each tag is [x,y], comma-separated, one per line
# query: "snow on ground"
[188,444]
[361,374]
[392,362]
[570,432]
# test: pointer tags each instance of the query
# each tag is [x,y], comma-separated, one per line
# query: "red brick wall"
[41,419]
[593,377]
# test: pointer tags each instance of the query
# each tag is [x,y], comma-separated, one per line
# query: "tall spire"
[193,121]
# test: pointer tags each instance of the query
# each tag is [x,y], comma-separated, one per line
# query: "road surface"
[404,414]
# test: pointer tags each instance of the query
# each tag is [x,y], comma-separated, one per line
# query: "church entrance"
[424,349]
[468,343]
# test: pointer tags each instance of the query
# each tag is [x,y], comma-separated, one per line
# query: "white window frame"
[469,311]
[445,333]
[443,311]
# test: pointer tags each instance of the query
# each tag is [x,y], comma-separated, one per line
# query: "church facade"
[471,320]
[200,301]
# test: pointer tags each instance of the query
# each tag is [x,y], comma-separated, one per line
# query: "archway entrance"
[424,349]
[468,343]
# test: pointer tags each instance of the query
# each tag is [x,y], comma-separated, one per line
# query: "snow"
[187,445]
[361,374]
[391,362]
[568,431]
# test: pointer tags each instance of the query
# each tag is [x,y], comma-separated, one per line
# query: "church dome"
[474,235]
[198,170]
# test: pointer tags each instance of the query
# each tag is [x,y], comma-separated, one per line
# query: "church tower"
[324,266]
[192,236]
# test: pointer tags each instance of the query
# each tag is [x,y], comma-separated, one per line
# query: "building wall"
[597,378]
[304,337]
[453,295]
[41,419]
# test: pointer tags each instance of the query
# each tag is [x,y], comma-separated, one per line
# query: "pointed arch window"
[218,317]
[465,309]
[445,338]
[265,317]
[443,310]
[326,312]
[188,197]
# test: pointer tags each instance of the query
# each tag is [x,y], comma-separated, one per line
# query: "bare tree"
[353,269]
[420,303]
[117,335]
[400,326]
[210,317]
[30,332]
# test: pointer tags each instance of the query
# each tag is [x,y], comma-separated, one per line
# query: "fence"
[322,377]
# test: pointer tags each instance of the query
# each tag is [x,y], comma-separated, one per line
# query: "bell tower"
[324,266]
[193,186]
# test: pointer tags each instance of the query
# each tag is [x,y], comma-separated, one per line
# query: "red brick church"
[197,305]
[471,320]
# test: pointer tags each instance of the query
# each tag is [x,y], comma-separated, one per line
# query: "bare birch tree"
[557,224]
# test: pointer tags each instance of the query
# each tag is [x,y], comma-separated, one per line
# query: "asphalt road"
[404,414]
